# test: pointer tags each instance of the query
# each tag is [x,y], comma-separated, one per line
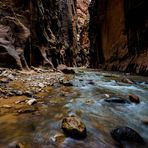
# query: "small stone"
[58,137]
[106,95]
[134,98]
[31,101]
[41,85]
[74,127]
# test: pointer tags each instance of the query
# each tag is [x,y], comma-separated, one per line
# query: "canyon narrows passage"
[73,74]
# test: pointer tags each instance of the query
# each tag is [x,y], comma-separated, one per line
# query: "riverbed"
[40,125]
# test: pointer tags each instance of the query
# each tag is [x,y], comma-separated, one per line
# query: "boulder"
[73,127]
[126,134]
[134,98]
[116,100]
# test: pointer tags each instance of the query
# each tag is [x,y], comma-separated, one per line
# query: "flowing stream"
[42,129]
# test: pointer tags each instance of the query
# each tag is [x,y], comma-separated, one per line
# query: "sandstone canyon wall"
[119,35]
[37,32]
[82,37]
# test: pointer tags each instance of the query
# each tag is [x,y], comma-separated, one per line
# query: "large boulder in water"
[126,135]
[74,127]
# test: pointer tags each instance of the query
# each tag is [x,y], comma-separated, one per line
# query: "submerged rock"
[126,134]
[134,98]
[116,100]
[74,127]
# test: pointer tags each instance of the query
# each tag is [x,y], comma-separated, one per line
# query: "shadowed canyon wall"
[37,32]
[119,35]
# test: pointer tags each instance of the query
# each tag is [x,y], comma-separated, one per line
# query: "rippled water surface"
[85,98]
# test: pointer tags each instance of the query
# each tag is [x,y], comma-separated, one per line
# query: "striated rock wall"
[82,11]
[82,37]
[119,35]
[37,32]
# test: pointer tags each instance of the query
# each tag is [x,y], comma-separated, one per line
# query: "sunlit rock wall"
[82,37]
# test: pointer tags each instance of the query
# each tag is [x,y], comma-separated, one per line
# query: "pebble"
[31,101]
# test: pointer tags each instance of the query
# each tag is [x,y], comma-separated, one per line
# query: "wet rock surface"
[116,100]
[125,135]
[74,127]
[134,98]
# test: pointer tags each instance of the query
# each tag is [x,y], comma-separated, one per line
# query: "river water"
[42,129]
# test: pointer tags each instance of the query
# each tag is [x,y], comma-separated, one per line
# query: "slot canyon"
[73,74]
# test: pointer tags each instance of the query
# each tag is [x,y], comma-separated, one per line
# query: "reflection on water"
[85,98]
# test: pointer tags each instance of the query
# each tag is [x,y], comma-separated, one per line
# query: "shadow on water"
[85,99]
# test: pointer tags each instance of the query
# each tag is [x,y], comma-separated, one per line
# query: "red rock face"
[83,25]
[82,11]
[119,35]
